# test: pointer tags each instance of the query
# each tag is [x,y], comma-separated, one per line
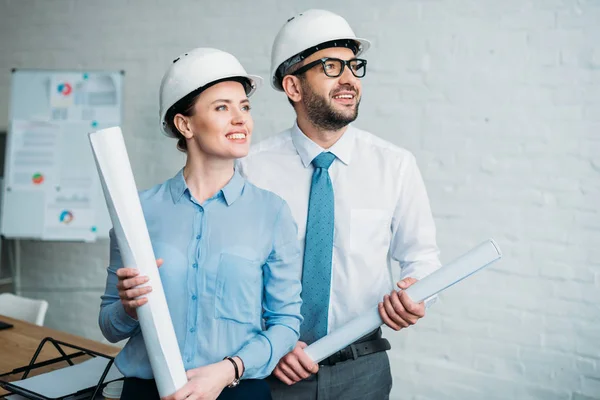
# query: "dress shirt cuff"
[430,301]
[263,352]
[252,361]
[121,320]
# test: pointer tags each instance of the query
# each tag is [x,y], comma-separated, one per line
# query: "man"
[360,204]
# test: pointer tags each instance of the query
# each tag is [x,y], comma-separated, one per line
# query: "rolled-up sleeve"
[414,234]
[114,322]
[281,301]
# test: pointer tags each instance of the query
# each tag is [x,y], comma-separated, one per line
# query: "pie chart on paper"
[37,178]
[66,217]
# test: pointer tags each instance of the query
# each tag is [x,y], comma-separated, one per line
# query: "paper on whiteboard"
[69,215]
[32,157]
[479,257]
[75,161]
[136,250]
[84,97]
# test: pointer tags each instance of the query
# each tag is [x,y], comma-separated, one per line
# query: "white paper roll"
[136,250]
[479,257]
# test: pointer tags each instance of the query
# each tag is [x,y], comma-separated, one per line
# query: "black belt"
[369,344]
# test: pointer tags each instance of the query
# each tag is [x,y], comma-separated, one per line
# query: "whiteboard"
[51,187]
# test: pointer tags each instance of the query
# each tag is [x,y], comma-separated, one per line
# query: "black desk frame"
[26,370]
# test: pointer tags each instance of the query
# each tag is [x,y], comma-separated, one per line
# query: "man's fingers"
[393,313]
[417,309]
[393,308]
[398,310]
[282,377]
[300,368]
[289,373]
[397,304]
[307,365]
[386,319]
[159,262]
[406,283]
[291,367]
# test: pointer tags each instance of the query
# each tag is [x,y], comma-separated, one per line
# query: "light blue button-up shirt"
[231,276]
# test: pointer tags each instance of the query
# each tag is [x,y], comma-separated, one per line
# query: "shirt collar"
[234,188]
[308,150]
[178,186]
[231,191]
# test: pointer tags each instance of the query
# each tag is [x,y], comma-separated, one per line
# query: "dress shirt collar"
[308,150]
[231,191]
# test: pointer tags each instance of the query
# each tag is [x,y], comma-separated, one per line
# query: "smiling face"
[221,124]
[329,103]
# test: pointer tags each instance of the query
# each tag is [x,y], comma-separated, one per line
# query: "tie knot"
[323,160]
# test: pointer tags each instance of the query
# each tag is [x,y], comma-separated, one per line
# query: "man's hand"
[295,366]
[398,311]
[129,280]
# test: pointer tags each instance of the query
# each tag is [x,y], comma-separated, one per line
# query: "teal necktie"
[318,252]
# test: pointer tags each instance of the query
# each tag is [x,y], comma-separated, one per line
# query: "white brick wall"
[499,101]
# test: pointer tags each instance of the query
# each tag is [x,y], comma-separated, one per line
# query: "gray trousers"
[366,378]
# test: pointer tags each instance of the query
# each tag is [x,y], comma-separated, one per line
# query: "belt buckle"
[348,353]
[353,351]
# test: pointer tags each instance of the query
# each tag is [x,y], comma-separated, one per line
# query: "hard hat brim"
[256,82]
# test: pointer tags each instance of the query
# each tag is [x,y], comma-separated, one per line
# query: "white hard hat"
[195,69]
[308,30]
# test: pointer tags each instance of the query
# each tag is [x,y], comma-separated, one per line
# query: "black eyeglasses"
[334,67]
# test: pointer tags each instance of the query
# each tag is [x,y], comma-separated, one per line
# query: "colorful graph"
[65,89]
[66,217]
[37,178]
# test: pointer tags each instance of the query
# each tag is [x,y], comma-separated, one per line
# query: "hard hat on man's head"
[196,69]
[307,33]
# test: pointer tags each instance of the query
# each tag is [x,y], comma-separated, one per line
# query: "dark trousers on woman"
[248,389]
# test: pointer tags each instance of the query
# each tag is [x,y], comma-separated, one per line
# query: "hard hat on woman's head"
[307,33]
[197,69]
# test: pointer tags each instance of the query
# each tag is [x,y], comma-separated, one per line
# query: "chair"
[23,308]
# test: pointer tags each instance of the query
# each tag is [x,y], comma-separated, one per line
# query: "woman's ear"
[182,123]
[291,87]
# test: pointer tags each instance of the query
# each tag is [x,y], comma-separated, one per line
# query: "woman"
[228,249]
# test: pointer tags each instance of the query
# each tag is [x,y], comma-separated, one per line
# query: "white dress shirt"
[382,213]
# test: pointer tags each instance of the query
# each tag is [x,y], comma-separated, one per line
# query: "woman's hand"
[207,383]
[129,280]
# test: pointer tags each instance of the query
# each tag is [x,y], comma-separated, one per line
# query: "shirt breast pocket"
[369,229]
[238,289]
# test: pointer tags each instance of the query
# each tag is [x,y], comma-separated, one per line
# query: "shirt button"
[198,237]
[194,297]
[192,330]
[189,359]
[195,265]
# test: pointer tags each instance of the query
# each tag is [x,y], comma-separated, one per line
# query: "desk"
[18,344]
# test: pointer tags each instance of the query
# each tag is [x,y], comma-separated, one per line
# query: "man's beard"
[321,113]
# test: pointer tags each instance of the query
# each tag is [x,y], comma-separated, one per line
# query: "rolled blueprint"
[136,250]
[479,257]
